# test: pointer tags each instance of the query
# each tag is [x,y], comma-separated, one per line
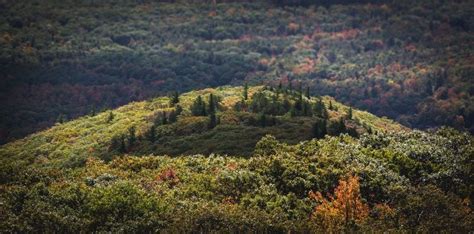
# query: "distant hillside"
[408,60]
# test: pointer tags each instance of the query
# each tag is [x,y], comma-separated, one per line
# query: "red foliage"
[168,176]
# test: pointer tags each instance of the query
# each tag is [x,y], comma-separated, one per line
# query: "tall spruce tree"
[246,92]
[151,134]
[198,108]
[212,104]
[132,138]
[212,120]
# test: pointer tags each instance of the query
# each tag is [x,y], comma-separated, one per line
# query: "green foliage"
[267,192]
[98,176]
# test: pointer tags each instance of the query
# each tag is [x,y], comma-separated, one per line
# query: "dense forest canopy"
[408,60]
[303,163]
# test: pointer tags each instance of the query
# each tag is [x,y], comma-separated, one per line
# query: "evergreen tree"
[198,108]
[299,103]
[151,135]
[307,93]
[239,106]
[174,99]
[122,147]
[246,92]
[172,116]
[110,117]
[330,105]
[286,105]
[320,110]
[259,103]
[212,104]
[115,143]
[132,138]
[319,128]
[307,109]
[262,120]
[93,111]
[293,112]
[212,120]
[60,119]
[179,110]
[349,114]
[164,119]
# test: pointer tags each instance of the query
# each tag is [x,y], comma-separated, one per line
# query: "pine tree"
[262,120]
[123,146]
[60,119]
[246,92]
[212,104]
[174,99]
[307,93]
[307,111]
[179,110]
[151,135]
[342,126]
[198,108]
[132,138]
[293,112]
[110,117]
[212,120]
[172,116]
[320,110]
[319,129]
[93,112]
[330,105]
[164,119]
[349,115]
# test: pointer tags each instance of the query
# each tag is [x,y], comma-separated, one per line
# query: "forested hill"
[408,60]
[199,122]
[241,159]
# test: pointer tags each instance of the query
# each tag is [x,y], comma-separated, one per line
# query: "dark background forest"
[409,60]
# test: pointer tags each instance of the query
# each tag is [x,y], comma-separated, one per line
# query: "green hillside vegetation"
[109,171]
[189,134]
[408,60]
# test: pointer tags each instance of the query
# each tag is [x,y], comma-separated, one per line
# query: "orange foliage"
[346,34]
[232,166]
[343,209]
[292,27]
[395,67]
[375,71]
[306,66]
